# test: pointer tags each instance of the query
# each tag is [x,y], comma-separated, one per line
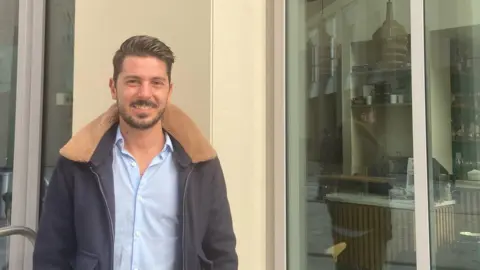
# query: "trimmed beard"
[141,125]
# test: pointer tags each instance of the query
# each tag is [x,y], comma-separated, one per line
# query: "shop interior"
[360,136]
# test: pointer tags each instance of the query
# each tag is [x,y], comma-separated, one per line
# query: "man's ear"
[170,90]
[113,88]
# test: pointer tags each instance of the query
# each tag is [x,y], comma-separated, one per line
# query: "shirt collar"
[119,141]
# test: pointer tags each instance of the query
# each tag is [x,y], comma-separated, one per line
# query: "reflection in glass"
[8,72]
[453,70]
[58,84]
[354,151]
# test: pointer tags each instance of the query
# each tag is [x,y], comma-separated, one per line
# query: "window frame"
[28,128]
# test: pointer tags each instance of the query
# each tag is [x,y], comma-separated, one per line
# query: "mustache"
[146,103]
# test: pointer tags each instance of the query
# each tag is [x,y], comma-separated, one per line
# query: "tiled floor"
[322,263]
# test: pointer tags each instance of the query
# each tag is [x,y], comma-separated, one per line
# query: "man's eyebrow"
[131,77]
[159,78]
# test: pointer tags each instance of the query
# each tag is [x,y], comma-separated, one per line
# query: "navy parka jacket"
[77,227]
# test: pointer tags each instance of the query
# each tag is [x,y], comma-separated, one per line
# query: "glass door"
[21,65]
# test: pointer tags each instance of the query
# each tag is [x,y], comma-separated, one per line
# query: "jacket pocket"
[85,261]
[205,264]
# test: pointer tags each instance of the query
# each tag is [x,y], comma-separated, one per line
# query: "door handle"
[30,234]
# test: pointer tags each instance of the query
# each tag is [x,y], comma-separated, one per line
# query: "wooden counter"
[377,230]
[352,184]
[356,178]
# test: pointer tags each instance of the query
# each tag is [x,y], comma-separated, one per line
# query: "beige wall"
[220,81]
[239,114]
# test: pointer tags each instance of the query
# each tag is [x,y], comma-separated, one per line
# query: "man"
[139,187]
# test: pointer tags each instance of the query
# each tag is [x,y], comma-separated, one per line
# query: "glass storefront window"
[8,78]
[350,199]
[58,84]
[452,51]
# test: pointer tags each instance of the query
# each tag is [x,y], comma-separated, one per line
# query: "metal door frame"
[420,127]
[28,128]
[276,136]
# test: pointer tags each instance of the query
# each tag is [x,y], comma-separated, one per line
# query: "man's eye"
[131,81]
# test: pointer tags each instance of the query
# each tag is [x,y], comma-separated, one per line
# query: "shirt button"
[137,233]
[133,164]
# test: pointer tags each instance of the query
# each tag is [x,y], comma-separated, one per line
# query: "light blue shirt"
[146,210]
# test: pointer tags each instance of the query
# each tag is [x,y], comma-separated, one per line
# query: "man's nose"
[145,90]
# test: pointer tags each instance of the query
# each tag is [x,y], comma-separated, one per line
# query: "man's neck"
[143,142]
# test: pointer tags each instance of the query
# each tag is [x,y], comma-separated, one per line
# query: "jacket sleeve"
[55,246]
[219,243]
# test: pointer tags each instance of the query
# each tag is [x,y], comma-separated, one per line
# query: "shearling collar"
[82,145]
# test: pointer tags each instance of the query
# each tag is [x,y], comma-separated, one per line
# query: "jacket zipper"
[183,215]
[108,214]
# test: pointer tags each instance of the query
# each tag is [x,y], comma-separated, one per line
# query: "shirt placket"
[135,179]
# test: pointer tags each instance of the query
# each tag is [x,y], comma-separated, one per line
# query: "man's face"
[142,91]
